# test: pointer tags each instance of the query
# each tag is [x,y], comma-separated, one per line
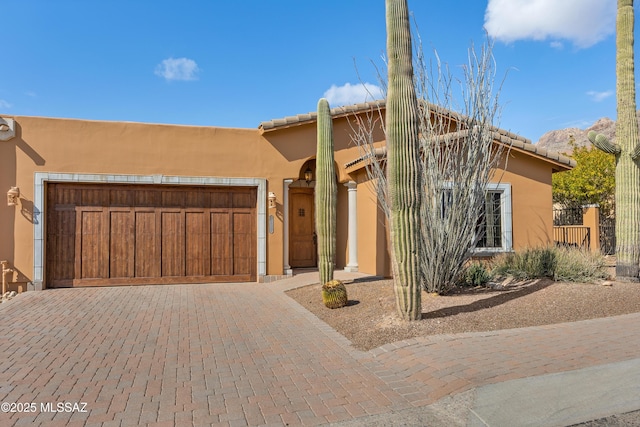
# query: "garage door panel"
[120,234]
[244,199]
[91,262]
[147,245]
[144,198]
[120,197]
[221,200]
[197,237]
[62,244]
[220,243]
[196,199]
[67,245]
[173,244]
[121,245]
[242,242]
[173,198]
[61,196]
[95,196]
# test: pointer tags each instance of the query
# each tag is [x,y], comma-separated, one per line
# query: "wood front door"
[302,238]
[144,234]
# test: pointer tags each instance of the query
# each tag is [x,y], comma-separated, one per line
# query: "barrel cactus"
[403,165]
[626,149]
[325,193]
[334,294]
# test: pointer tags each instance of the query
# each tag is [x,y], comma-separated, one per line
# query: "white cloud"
[557,45]
[599,96]
[583,22]
[4,104]
[348,94]
[178,69]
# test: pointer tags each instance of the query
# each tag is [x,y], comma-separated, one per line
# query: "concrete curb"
[559,399]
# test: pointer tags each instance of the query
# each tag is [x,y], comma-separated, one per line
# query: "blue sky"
[235,64]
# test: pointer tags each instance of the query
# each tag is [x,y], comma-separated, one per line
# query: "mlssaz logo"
[63,407]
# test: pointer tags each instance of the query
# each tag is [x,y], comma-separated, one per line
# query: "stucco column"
[285,206]
[591,219]
[352,189]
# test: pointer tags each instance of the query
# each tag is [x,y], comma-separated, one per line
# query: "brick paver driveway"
[246,354]
[222,353]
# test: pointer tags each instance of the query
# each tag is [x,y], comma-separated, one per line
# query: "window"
[446,200]
[494,227]
[490,224]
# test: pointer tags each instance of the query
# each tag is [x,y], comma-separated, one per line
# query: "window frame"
[506,216]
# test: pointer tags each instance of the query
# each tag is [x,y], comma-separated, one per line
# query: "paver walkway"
[246,354]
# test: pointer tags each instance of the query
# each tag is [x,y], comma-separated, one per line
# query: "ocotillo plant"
[403,166]
[626,149]
[325,194]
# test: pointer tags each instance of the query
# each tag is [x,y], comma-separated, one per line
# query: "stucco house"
[93,203]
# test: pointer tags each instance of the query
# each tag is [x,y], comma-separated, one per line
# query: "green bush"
[529,264]
[560,264]
[476,274]
[574,265]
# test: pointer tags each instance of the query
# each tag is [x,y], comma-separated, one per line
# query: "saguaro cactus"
[626,149]
[403,166]
[325,193]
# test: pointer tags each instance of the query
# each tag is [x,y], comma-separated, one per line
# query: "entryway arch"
[299,241]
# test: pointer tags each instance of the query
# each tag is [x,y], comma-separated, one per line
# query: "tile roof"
[301,119]
[500,135]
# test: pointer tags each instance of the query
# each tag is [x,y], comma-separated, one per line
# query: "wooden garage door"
[99,234]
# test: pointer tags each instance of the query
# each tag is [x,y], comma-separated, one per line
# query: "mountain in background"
[558,140]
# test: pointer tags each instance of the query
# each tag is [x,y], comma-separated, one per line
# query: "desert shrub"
[528,264]
[575,265]
[475,274]
[561,264]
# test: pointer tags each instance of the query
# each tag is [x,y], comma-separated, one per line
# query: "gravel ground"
[630,419]
[370,321]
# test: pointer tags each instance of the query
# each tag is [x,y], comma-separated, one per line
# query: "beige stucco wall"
[529,177]
[122,148]
[531,199]
[96,147]
[371,230]
[297,144]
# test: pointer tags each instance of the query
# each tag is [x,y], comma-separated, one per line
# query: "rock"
[8,295]
[495,286]
[558,140]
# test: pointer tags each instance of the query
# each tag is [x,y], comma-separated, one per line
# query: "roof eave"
[561,163]
[311,117]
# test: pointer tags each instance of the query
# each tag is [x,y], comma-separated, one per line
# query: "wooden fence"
[572,235]
[583,228]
